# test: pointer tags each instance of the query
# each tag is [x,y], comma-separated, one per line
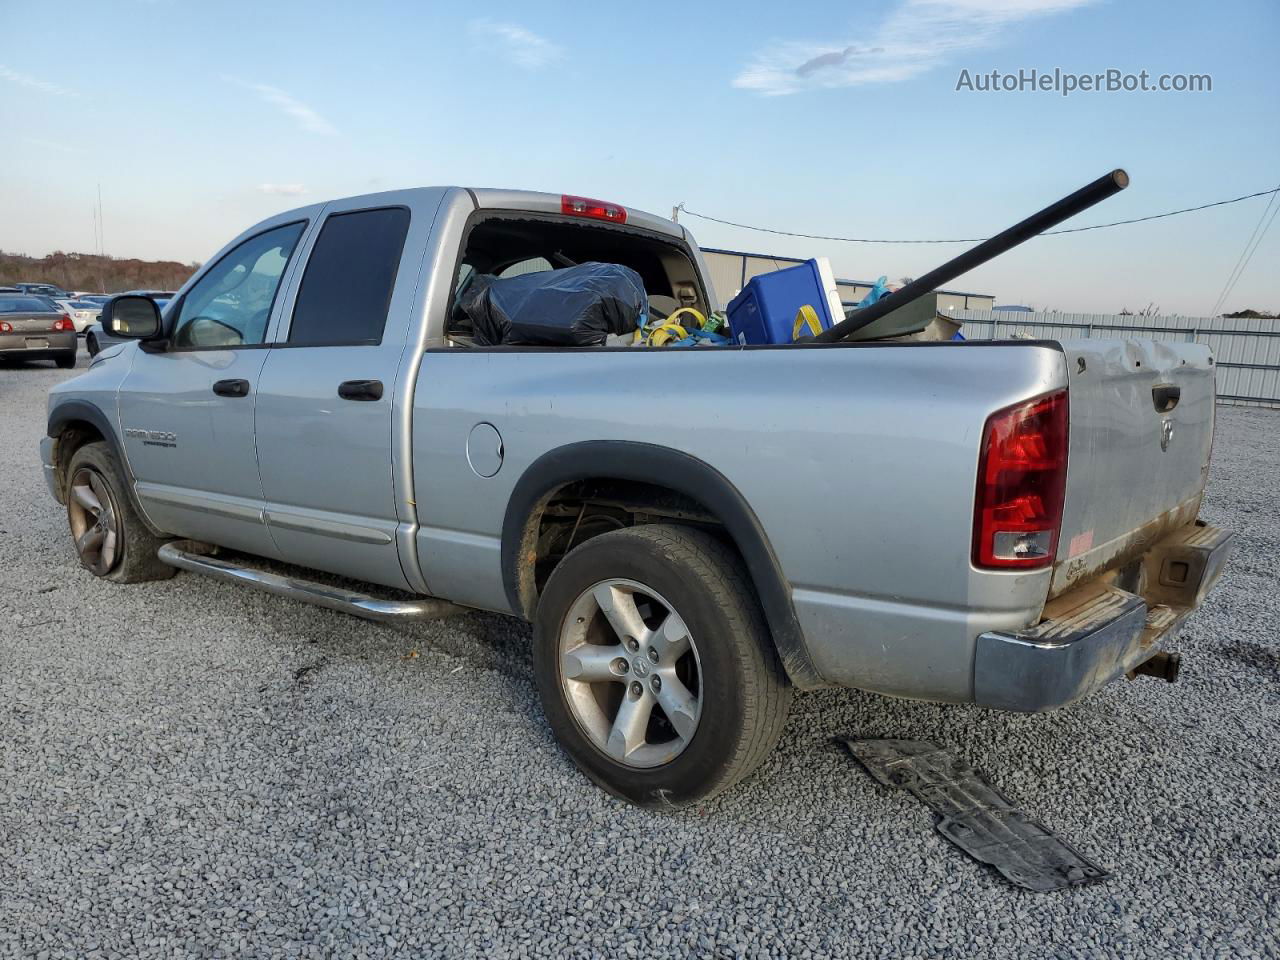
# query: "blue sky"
[835,118]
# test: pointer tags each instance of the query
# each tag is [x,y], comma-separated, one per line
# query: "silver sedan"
[32,328]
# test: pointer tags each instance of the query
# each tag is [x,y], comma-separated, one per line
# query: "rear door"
[327,399]
[187,414]
[1141,417]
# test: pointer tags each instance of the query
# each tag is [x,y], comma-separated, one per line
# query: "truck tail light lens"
[597,209]
[1022,477]
[63,323]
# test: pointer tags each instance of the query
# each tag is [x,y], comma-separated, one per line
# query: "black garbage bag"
[575,307]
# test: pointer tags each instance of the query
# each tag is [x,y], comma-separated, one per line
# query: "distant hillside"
[86,271]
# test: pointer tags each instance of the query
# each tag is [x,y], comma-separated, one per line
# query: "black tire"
[134,557]
[743,692]
[91,344]
[65,361]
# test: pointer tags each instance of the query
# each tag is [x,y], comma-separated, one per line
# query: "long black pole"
[1050,216]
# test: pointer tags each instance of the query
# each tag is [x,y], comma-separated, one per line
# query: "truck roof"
[533,201]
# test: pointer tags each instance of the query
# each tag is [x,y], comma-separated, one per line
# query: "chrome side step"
[189,555]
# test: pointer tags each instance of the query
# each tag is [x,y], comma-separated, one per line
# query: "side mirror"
[131,316]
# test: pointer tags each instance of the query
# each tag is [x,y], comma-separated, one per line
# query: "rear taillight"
[6,327]
[63,323]
[586,207]
[1021,480]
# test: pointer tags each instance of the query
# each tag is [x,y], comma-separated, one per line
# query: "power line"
[1047,233]
[1256,245]
[1245,256]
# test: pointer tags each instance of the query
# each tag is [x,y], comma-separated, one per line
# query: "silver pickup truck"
[694,533]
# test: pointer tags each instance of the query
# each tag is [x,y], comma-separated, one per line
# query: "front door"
[327,395]
[187,414]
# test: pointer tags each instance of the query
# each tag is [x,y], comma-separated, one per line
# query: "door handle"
[1165,398]
[360,390]
[231,388]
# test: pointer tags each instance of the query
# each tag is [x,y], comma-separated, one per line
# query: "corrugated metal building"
[1246,351]
[731,269]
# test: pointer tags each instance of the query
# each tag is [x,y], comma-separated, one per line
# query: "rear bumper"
[50,344]
[1094,634]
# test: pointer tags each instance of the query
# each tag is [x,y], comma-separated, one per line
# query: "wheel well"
[575,512]
[613,483]
[73,435]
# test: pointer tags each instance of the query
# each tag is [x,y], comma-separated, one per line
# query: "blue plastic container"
[765,310]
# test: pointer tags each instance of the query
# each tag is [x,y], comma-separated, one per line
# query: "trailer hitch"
[1163,666]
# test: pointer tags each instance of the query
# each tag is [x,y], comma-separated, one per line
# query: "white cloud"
[521,46]
[307,118]
[282,189]
[34,83]
[917,36]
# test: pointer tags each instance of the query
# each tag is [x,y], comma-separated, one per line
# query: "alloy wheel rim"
[94,522]
[630,672]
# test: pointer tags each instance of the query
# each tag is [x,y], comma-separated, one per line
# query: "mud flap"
[977,817]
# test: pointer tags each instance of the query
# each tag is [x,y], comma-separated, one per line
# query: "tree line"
[92,273]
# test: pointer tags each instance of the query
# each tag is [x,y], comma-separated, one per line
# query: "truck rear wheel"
[108,535]
[655,666]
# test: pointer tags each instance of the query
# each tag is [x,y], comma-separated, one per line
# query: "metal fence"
[1247,352]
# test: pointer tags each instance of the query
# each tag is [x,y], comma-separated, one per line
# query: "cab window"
[230,305]
[346,290]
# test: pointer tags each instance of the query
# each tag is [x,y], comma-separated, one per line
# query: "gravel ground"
[189,769]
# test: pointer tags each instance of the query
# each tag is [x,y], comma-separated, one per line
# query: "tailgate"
[1141,429]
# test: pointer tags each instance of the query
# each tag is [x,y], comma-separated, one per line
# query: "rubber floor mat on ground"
[977,817]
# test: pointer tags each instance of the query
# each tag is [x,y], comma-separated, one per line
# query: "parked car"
[50,290]
[693,532]
[82,312]
[32,328]
[97,339]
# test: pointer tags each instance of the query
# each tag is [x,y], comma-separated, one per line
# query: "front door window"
[231,304]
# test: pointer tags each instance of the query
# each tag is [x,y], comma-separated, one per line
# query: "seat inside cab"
[509,245]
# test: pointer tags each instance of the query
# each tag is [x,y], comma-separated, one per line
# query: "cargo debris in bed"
[507,245]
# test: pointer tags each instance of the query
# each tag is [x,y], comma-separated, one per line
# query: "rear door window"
[350,276]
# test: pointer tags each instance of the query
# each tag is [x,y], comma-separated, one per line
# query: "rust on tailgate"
[1071,571]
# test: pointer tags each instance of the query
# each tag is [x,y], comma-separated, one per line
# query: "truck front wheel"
[655,666]
[108,535]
